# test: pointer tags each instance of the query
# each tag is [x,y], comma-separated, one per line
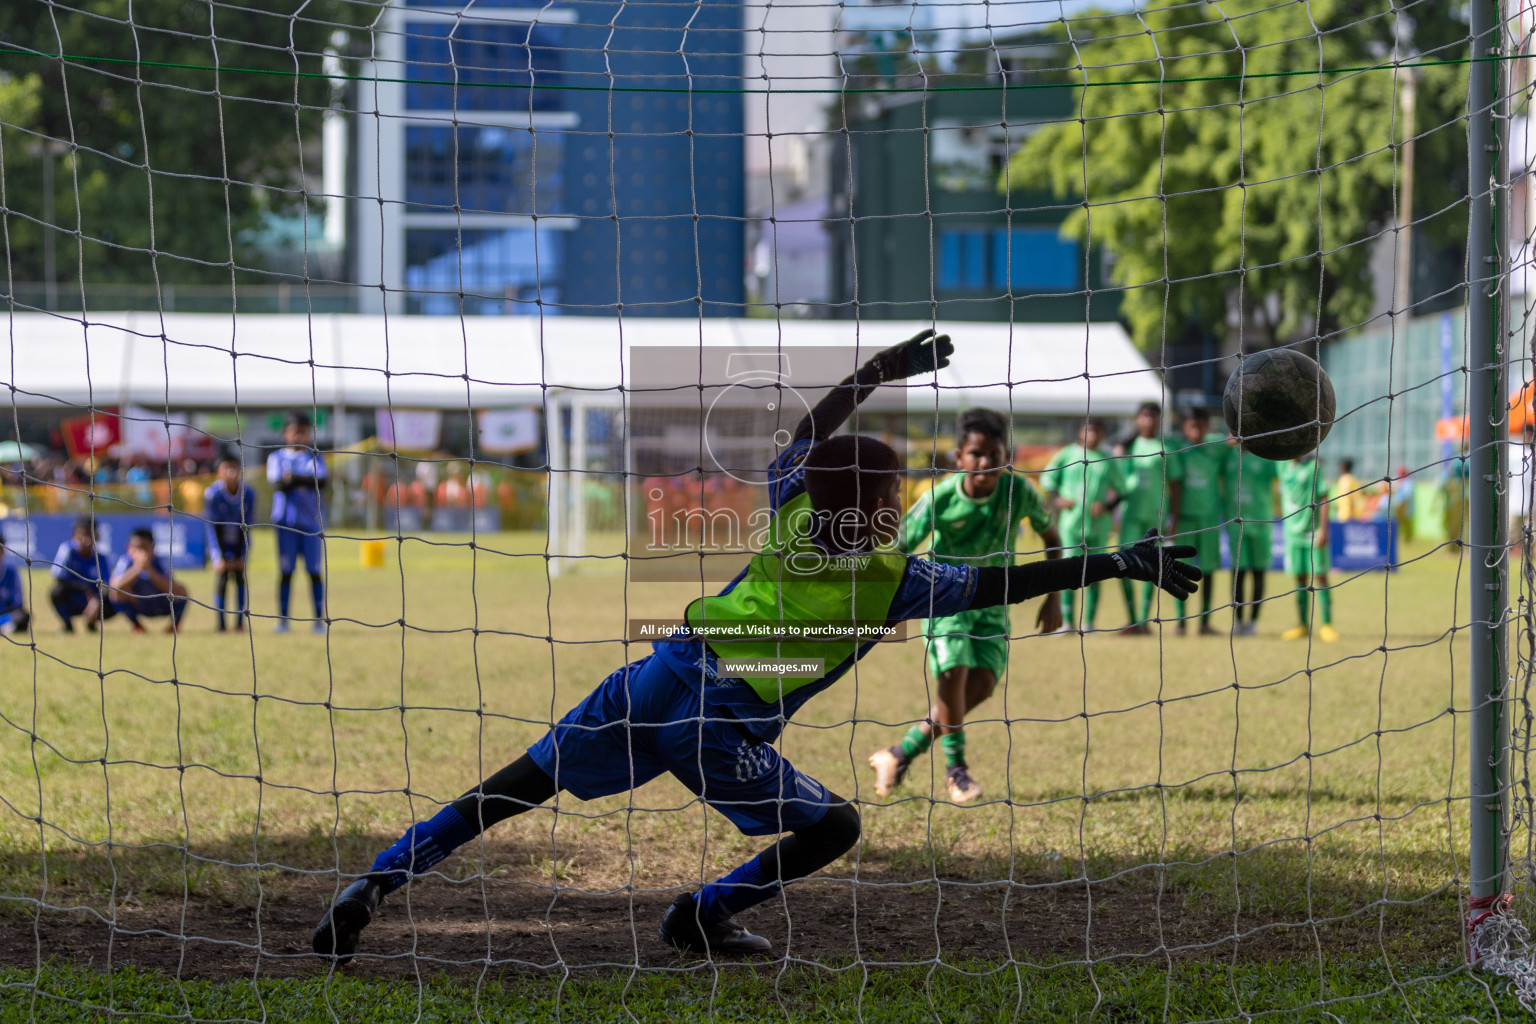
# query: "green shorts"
[1133,528]
[975,639]
[1206,537]
[1303,558]
[1250,543]
[1076,535]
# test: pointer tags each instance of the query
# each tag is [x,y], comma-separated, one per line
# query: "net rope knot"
[1500,943]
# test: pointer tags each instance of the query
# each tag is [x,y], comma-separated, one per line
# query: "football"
[1279,404]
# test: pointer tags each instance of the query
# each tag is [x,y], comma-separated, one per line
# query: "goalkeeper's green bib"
[798,601]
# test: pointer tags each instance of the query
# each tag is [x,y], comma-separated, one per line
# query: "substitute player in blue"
[298,477]
[13,596]
[80,576]
[142,587]
[828,558]
[229,506]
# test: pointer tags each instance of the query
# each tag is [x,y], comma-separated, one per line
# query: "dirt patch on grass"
[503,923]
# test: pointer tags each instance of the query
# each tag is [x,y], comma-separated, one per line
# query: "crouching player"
[836,508]
[80,573]
[974,517]
[142,587]
[229,505]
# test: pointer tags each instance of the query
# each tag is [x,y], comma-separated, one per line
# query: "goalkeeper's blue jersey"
[927,588]
[298,506]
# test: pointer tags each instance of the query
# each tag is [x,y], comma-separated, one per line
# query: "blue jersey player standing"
[229,507]
[298,477]
[827,558]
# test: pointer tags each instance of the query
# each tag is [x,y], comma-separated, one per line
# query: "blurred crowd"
[55,482]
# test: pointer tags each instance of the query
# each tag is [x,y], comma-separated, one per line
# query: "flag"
[410,429]
[86,435]
[505,431]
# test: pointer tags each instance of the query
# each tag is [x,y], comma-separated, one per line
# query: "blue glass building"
[576,158]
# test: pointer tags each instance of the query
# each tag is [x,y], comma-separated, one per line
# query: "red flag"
[86,435]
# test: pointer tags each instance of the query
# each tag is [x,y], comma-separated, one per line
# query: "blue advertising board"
[181,538]
[1353,546]
[1364,545]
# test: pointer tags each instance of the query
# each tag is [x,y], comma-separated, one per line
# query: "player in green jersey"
[1203,470]
[1304,506]
[1151,496]
[1083,483]
[1250,527]
[973,516]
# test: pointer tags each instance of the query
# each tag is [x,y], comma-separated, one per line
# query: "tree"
[140,120]
[1225,175]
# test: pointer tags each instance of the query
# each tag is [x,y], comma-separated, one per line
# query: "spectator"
[1352,504]
[137,474]
[452,492]
[1400,498]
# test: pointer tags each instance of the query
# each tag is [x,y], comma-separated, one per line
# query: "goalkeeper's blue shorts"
[292,543]
[643,720]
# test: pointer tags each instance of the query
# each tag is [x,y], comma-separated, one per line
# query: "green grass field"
[1223,826]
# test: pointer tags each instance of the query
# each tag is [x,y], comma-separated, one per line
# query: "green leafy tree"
[1224,174]
[149,157]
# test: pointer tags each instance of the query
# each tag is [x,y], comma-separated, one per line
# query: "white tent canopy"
[208,361]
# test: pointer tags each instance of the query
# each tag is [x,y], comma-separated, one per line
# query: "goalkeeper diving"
[828,556]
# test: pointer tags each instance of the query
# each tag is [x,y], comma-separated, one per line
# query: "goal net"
[517,320]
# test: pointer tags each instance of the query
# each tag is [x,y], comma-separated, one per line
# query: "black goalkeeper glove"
[1149,563]
[922,353]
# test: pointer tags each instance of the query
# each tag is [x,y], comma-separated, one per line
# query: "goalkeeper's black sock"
[794,856]
[1258,595]
[1239,593]
[220,591]
[241,608]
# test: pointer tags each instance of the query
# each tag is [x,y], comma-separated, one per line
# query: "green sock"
[954,748]
[1068,600]
[1128,588]
[1325,601]
[1303,608]
[915,742]
[1091,604]
[1145,608]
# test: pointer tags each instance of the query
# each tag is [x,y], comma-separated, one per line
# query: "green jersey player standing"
[973,516]
[1304,506]
[1250,528]
[1151,477]
[1203,470]
[1084,482]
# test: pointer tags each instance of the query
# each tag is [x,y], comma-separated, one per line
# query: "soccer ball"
[1279,404]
